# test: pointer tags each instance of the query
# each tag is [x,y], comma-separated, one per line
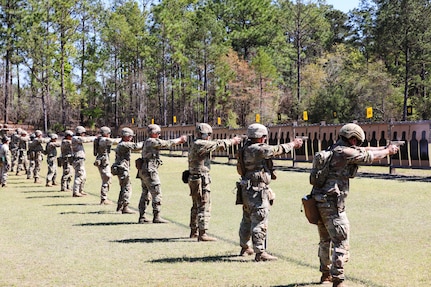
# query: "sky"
[343,5]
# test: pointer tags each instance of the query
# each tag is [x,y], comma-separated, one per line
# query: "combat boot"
[48,183]
[264,257]
[193,233]
[119,206]
[77,195]
[337,282]
[203,236]
[246,251]
[158,219]
[106,202]
[142,219]
[325,278]
[36,180]
[127,210]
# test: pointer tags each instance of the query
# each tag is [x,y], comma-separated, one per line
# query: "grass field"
[49,238]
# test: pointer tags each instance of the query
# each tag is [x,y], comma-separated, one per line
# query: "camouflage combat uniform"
[36,153]
[22,159]
[79,163]
[257,196]
[334,227]
[199,180]
[51,159]
[66,161]
[149,175]
[122,162]
[13,146]
[102,162]
[5,161]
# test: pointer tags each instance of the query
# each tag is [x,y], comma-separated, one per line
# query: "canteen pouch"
[239,199]
[310,209]
[185,176]
[139,162]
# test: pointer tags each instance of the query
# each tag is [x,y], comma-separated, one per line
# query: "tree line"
[93,62]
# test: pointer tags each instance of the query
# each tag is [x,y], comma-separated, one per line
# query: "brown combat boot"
[203,236]
[264,257]
[48,183]
[193,233]
[143,219]
[245,251]
[158,219]
[326,278]
[106,202]
[77,195]
[337,282]
[36,180]
[127,210]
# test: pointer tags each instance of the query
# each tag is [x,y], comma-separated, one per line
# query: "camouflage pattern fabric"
[79,162]
[51,159]
[150,180]
[200,180]
[334,227]
[256,194]
[66,155]
[37,151]
[103,164]
[122,160]
[5,161]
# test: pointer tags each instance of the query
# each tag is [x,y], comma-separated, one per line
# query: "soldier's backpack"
[320,168]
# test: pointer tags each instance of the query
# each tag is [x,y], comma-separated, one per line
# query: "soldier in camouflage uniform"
[79,160]
[13,146]
[31,162]
[255,167]
[199,179]
[121,168]
[51,159]
[149,175]
[66,160]
[23,145]
[333,225]
[5,159]
[36,153]
[102,148]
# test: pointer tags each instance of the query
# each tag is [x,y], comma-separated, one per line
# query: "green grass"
[49,238]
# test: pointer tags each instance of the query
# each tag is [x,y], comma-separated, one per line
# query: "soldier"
[36,153]
[333,225]
[255,167]
[199,178]
[51,153]
[66,160]
[102,149]
[79,160]
[5,159]
[23,145]
[121,168]
[30,156]
[149,175]
[13,146]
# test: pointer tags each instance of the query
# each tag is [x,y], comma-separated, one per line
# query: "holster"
[310,209]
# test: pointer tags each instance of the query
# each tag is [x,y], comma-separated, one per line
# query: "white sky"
[344,5]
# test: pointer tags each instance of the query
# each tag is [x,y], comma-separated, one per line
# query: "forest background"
[91,62]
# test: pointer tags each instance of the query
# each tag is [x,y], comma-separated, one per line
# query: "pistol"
[304,138]
[397,143]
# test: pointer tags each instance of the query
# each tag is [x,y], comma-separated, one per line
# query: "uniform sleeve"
[358,155]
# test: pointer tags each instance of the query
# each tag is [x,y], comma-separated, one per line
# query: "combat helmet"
[105,130]
[38,133]
[154,129]
[80,130]
[68,133]
[256,131]
[352,130]
[127,132]
[204,129]
[53,136]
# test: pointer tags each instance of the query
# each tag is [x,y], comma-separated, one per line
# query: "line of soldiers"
[254,165]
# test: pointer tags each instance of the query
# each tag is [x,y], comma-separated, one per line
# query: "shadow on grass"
[46,196]
[70,204]
[105,223]
[299,284]
[90,212]
[153,240]
[219,258]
